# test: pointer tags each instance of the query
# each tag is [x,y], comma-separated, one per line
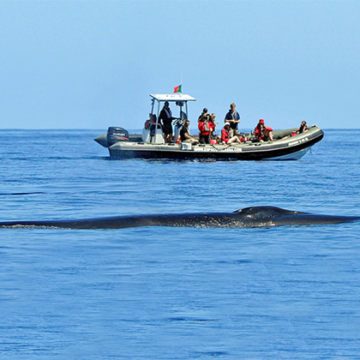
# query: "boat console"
[152,132]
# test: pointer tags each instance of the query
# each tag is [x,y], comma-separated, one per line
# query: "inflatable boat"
[288,144]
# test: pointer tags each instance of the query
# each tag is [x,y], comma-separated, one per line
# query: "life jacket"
[204,128]
[224,136]
[262,134]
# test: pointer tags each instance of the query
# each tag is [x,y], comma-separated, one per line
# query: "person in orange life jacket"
[205,130]
[233,118]
[184,134]
[225,135]
[263,132]
[166,118]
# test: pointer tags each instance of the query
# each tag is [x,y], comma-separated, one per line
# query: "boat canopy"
[172,97]
[179,99]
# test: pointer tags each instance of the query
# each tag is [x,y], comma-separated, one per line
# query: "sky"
[92,64]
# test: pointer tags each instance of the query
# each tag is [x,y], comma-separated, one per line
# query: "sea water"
[176,293]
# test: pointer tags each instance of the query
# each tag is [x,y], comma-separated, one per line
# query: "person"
[166,118]
[204,113]
[263,132]
[212,125]
[233,118]
[184,134]
[151,124]
[225,138]
[205,129]
[303,127]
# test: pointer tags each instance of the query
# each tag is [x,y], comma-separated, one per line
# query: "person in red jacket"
[205,130]
[225,135]
[263,132]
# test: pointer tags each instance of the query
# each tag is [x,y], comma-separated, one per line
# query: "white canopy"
[172,97]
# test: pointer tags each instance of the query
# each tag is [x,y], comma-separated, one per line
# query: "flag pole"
[181,80]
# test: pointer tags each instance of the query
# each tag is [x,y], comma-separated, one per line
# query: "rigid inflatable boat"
[288,145]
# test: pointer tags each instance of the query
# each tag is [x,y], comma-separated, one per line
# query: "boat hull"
[292,148]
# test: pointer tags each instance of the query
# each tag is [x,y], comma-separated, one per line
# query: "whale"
[250,217]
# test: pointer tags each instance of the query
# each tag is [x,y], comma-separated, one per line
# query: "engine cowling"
[116,134]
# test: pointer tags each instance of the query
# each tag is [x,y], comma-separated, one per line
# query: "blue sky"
[93,64]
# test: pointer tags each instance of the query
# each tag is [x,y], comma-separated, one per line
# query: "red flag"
[177,89]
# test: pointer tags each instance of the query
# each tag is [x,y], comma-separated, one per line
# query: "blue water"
[176,293]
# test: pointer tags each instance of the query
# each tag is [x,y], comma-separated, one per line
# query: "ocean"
[176,293]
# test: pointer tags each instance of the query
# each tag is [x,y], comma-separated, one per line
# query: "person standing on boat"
[263,132]
[233,118]
[212,125]
[166,119]
[204,113]
[205,130]
[185,135]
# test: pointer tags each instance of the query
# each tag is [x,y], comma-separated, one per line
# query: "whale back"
[266,212]
[258,216]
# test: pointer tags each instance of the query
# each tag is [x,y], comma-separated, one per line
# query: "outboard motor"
[116,134]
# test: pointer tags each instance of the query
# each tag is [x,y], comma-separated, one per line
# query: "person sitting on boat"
[233,118]
[185,135]
[303,127]
[166,118]
[225,137]
[205,130]
[263,132]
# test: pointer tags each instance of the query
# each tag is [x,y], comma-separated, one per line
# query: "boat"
[288,145]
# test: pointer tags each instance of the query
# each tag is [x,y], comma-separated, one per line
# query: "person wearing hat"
[166,119]
[263,132]
[225,138]
[233,118]
[204,113]
[205,129]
